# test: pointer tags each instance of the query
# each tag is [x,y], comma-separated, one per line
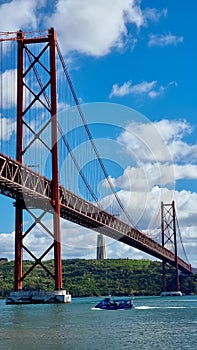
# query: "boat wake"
[144,307]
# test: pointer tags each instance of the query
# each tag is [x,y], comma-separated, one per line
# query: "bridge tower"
[33,62]
[169,238]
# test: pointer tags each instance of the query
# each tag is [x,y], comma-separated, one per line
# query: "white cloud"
[7,245]
[134,14]
[7,128]
[164,40]
[147,176]
[142,88]
[151,89]
[186,171]
[89,27]
[160,141]
[17,14]
[127,88]
[172,130]
[154,14]
[144,143]
[120,90]
[182,151]
[8,88]
[95,28]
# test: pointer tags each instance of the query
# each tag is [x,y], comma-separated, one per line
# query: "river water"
[157,323]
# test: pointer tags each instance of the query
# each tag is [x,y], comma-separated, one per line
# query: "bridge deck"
[20,182]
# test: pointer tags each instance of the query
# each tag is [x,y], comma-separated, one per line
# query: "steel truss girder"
[76,209]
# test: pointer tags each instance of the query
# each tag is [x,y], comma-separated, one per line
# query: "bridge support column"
[164,276]
[19,210]
[55,173]
[175,247]
[18,272]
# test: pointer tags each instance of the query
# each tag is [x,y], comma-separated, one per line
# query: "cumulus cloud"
[164,40]
[8,88]
[154,14]
[7,245]
[89,27]
[94,28]
[147,176]
[7,128]
[19,14]
[150,89]
[172,130]
[145,143]
[182,151]
[161,141]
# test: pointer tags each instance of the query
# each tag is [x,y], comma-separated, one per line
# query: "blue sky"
[138,54]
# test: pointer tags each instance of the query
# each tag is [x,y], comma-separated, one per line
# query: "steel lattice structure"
[169,238]
[47,90]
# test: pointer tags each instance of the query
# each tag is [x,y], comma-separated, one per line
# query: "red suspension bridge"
[32,78]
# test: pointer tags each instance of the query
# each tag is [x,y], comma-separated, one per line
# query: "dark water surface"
[157,323]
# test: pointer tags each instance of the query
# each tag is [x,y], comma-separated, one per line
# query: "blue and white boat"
[115,304]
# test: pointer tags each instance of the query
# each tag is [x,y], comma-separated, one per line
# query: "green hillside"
[99,277]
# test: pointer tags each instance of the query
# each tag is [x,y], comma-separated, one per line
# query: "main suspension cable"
[90,136]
